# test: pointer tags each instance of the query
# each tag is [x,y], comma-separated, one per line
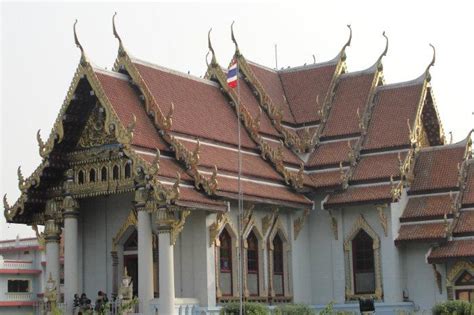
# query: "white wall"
[420,281]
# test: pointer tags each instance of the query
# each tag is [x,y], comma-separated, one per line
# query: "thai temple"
[347,188]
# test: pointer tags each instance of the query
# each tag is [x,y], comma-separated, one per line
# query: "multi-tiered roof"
[314,129]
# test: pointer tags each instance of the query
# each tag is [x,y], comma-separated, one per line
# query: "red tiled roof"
[190,197]
[126,104]
[388,126]
[359,195]
[452,249]
[352,93]
[377,167]
[437,168]
[421,232]
[330,154]
[468,195]
[303,86]
[261,190]
[288,155]
[168,167]
[200,109]
[427,207]
[270,80]
[227,160]
[325,179]
[465,224]
[249,100]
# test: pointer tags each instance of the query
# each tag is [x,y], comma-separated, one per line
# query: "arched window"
[80,177]
[252,264]
[115,172]
[465,287]
[225,254]
[128,170]
[363,263]
[278,283]
[103,174]
[92,175]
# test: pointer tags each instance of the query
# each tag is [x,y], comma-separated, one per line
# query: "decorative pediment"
[94,133]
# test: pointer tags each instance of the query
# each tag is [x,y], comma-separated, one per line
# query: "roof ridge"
[173,71]
[111,73]
[416,81]
[459,144]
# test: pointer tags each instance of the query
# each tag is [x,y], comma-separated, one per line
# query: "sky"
[38,56]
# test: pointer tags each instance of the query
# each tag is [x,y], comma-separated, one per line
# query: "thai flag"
[232,74]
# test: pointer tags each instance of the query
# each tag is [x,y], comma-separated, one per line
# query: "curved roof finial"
[237,51]
[347,44]
[427,71]
[115,31]
[76,40]
[213,60]
[384,53]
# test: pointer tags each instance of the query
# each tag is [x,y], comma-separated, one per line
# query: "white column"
[145,261]
[71,257]
[52,235]
[166,274]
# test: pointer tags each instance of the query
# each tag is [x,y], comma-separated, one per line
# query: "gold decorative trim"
[216,227]
[268,221]
[130,221]
[437,276]
[333,225]
[383,219]
[299,222]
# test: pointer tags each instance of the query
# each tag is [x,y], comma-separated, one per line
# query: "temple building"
[349,187]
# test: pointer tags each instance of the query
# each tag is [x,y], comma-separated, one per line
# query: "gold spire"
[427,71]
[121,48]
[78,44]
[213,60]
[342,54]
[237,51]
[384,53]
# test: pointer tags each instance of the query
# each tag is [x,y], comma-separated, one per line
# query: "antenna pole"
[276,57]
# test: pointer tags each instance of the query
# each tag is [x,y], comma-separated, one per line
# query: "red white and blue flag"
[232,74]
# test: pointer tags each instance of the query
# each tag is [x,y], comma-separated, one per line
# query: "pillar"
[52,233]
[115,273]
[145,251]
[166,272]
[71,248]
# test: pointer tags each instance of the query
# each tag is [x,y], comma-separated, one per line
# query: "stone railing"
[13,264]
[23,296]
[21,243]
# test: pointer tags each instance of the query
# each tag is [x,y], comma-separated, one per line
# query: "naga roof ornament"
[211,49]
[384,53]
[78,44]
[432,63]
[121,48]
[342,54]
[237,51]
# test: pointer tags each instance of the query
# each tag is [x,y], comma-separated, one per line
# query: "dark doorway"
[131,263]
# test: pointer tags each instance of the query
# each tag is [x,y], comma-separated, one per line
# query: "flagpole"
[240,199]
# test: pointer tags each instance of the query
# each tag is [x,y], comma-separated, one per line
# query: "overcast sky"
[38,55]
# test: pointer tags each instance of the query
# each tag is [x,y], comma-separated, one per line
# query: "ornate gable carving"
[94,133]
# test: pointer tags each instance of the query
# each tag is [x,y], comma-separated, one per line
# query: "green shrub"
[249,309]
[294,309]
[453,307]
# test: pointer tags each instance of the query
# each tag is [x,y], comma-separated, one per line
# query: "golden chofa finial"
[209,44]
[347,44]
[384,53]
[76,40]
[237,51]
[121,49]
[427,71]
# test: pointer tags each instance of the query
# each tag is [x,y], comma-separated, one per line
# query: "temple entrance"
[130,259]
[131,263]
